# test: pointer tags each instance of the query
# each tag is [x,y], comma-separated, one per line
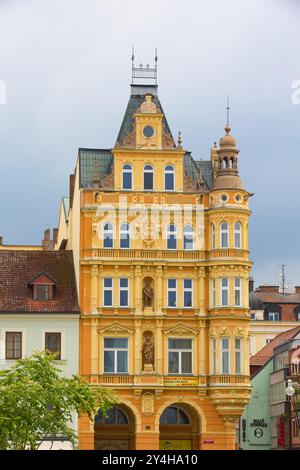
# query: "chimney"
[46,242]
[55,235]
[71,189]
[273,289]
[1,240]
[297,289]
[251,284]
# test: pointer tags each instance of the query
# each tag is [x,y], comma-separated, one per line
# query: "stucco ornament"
[148,106]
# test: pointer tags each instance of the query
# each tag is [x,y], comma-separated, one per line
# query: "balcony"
[229,380]
[194,255]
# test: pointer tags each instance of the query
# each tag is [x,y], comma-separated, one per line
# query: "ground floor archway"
[116,430]
[179,428]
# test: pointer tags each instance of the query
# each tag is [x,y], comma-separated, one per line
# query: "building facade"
[39,310]
[272,312]
[160,243]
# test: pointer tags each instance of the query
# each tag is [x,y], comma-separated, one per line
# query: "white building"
[39,310]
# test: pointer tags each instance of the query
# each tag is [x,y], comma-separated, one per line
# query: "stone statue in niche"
[147,295]
[148,352]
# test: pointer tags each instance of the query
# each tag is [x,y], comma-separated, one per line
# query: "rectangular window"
[273,316]
[148,180]
[214,356]
[172,292]
[124,292]
[237,353]
[13,343]
[108,291]
[224,293]
[237,291]
[42,292]
[225,356]
[53,344]
[115,355]
[187,293]
[213,292]
[180,356]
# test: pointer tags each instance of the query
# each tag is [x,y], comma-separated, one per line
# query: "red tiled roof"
[17,268]
[276,297]
[262,356]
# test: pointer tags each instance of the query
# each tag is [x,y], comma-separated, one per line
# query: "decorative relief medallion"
[108,181]
[167,141]
[148,106]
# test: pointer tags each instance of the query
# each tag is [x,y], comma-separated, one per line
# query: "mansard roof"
[18,268]
[87,158]
[137,97]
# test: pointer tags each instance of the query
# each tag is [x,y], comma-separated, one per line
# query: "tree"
[36,402]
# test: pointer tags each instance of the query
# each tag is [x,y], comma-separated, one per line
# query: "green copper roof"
[137,97]
[87,158]
[194,169]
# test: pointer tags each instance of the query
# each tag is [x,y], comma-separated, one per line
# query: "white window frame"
[273,314]
[238,233]
[148,171]
[225,350]
[115,355]
[238,289]
[213,293]
[108,289]
[174,233]
[189,234]
[124,289]
[180,351]
[126,232]
[127,170]
[172,289]
[169,172]
[188,289]
[224,231]
[213,356]
[238,351]
[108,231]
[213,236]
[224,289]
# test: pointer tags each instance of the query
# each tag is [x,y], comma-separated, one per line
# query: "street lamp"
[290,391]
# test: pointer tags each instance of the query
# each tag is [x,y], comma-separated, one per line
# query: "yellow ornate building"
[160,244]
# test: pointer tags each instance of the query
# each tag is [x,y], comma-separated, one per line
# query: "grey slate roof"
[135,101]
[194,168]
[87,158]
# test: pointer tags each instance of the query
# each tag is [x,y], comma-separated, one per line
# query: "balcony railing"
[193,255]
[228,379]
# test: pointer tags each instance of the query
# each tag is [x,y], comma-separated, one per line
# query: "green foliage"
[36,402]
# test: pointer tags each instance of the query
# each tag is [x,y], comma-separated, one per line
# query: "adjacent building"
[160,244]
[39,309]
[267,422]
[272,312]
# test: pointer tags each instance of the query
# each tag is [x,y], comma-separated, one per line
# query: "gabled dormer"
[43,287]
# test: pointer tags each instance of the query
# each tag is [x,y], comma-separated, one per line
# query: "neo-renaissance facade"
[160,244]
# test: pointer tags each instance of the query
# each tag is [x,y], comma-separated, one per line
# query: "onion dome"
[227,141]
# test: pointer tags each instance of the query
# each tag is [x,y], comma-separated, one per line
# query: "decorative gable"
[180,330]
[116,329]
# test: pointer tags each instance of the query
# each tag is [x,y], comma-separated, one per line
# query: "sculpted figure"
[148,351]
[147,296]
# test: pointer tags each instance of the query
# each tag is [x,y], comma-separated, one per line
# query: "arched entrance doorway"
[115,431]
[179,428]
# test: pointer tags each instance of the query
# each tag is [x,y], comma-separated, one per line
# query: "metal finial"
[179,141]
[228,109]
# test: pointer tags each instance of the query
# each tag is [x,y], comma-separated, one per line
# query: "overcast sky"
[66,66]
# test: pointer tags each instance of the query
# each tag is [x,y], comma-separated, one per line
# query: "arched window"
[174,415]
[224,235]
[213,236]
[148,177]
[188,237]
[237,235]
[124,236]
[127,177]
[114,416]
[169,178]
[171,237]
[108,236]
